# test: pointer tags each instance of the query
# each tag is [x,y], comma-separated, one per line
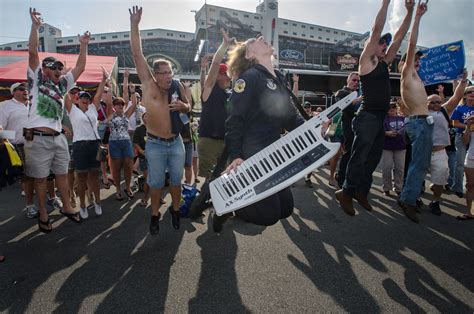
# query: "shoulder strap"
[445,114]
[92,126]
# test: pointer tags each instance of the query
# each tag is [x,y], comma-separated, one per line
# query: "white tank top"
[440,129]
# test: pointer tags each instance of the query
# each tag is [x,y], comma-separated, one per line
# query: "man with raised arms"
[164,146]
[368,123]
[419,125]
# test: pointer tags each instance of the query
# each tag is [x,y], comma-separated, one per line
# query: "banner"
[342,62]
[442,63]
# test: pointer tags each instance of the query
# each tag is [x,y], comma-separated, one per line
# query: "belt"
[40,133]
[170,139]
[418,117]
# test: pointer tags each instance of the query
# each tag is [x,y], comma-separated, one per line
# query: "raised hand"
[132,88]
[295,78]
[410,5]
[204,62]
[421,8]
[105,74]
[35,17]
[225,37]
[126,73]
[84,38]
[440,89]
[135,14]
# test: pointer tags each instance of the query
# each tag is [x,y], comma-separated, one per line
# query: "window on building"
[336,32]
[343,34]
[319,37]
[335,40]
[328,31]
[149,34]
[126,35]
[320,29]
[202,22]
[328,39]
[235,14]
[114,36]
[303,26]
[256,17]
[246,15]
[60,41]
[295,34]
[18,46]
[212,9]
[311,36]
[285,32]
[103,37]
[69,40]
[304,35]
[285,23]
[294,24]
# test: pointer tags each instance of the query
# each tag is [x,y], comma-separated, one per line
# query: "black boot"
[175,215]
[155,224]
[218,222]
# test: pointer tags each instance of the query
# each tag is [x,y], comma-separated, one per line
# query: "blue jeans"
[452,166]
[120,149]
[461,150]
[162,155]
[366,152]
[420,134]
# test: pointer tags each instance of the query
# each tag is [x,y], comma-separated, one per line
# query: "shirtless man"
[368,127]
[419,128]
[164,146]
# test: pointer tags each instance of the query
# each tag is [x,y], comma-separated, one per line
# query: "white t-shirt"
[13,117]
[81,127]
[47,99]
[132,121]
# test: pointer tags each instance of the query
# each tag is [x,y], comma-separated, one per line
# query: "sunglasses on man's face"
[56,67]
[435,102]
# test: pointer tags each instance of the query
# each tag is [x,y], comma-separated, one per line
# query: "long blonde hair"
[238,62]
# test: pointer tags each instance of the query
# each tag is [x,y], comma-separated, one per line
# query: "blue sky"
[445,21]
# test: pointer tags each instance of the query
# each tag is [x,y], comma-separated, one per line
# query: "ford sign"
[291,54]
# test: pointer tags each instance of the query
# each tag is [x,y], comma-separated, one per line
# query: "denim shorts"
[84,155]
[188,147]
[120,149]
[162,155]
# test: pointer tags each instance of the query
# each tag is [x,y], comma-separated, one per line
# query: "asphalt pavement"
[318,260]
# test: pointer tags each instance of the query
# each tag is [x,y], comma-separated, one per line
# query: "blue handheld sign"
[442,63]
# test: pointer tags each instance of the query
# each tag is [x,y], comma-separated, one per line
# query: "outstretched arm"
[81,60]
[401,33]
[143,70]
[296,80]
[216,61]
[131,108]
[409,65]
[33,57]
[125,93]
[100,89]
[202,77]
[371,47]
[452,102]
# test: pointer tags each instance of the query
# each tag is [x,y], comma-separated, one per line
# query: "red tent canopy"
[13,66]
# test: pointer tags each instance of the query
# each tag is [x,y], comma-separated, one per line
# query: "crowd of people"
[72,140]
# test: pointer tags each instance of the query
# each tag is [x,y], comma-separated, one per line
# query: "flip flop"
[46,223]
[129,194]
[118,196]
[144,203]
[464,217]
[74,217]
[106,185]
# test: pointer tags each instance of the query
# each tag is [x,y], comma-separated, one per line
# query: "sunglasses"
[21,89]
[164,72]
[436,102]
[469,92]
[56,67]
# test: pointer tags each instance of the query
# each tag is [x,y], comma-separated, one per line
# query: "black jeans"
[270,210]
[367,150]
[348,135]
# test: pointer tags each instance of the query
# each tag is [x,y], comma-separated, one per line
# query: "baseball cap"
[75,87]
[417,54]
[307,104]
[50,61]
[387,38]
[223,68]
[85,94]
[16,85]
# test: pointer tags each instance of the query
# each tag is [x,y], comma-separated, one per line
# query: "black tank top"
[376,89]
[214,114]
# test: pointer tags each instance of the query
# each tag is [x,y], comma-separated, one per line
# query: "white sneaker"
[31,211]
[84,213]
[98,209]
[55,203]
[23,194]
